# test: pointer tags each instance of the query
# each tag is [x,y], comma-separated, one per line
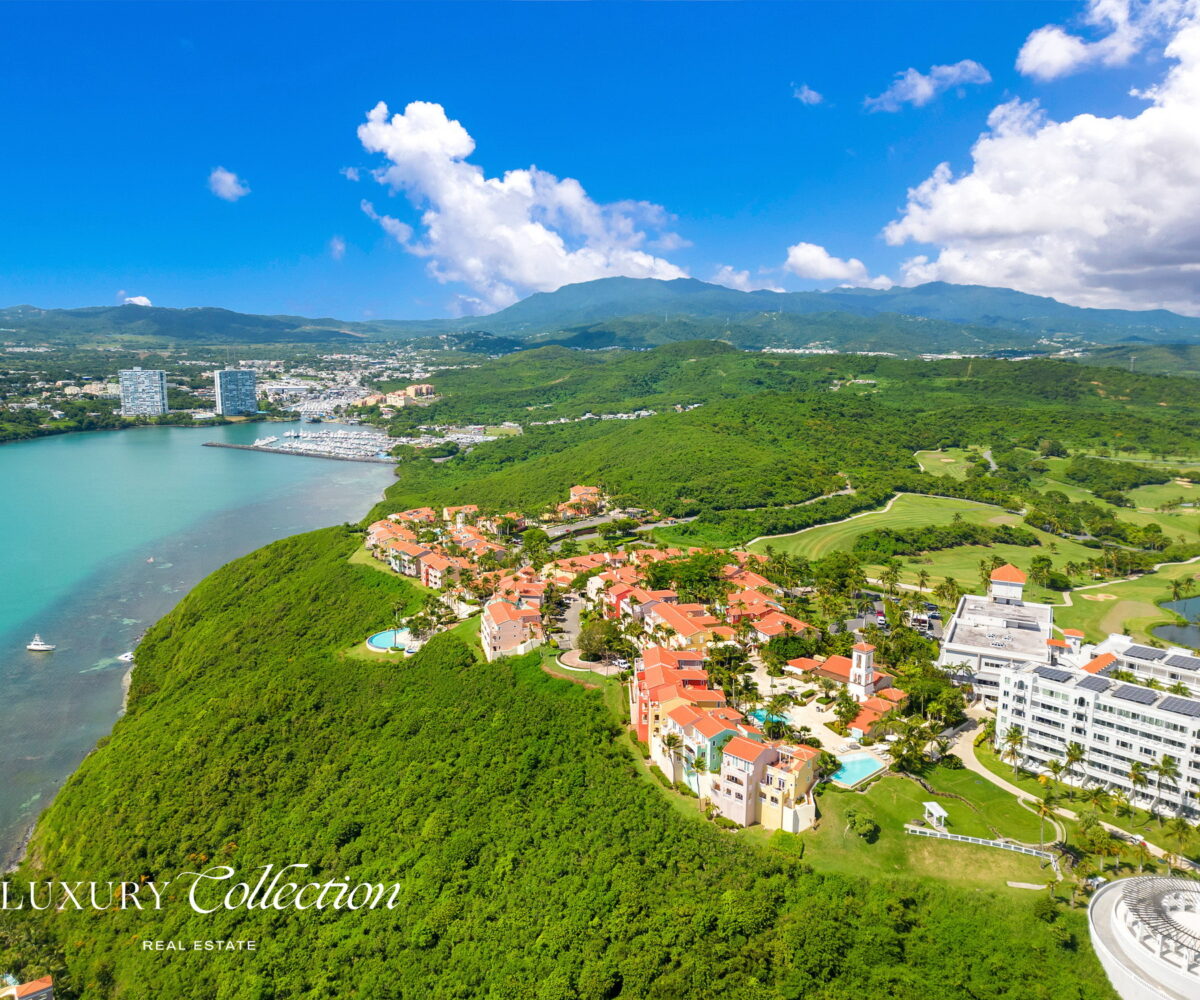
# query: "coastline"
[123,603]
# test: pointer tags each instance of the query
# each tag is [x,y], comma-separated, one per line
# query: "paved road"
[570,623]
[964,747]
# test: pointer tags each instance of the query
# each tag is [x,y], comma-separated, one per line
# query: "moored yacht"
[38,646]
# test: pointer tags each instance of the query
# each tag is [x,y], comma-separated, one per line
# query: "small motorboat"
[126,657]
[38,646]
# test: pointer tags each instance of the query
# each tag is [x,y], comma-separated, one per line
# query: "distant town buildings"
[235,392]
[143,392]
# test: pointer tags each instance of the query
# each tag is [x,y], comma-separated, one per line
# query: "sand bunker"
[1099,597]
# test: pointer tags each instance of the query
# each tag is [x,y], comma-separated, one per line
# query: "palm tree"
[1166,770]
[1120,802]
[1138,777]
[1014,739]
[700,766]
[1142,854]
[1056,768]
[1181,830]
[1045,811]
[1074,755]
[922,580]
[673,744]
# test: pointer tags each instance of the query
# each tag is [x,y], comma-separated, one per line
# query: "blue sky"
[114,117]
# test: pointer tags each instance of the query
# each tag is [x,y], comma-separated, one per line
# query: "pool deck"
[880,767]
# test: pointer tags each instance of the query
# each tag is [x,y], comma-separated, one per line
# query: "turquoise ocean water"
[100,535]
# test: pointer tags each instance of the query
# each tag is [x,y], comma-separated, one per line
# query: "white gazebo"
[935,815]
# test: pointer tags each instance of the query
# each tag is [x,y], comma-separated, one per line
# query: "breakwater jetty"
[296,451]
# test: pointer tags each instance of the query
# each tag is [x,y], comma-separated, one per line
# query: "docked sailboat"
[37,645]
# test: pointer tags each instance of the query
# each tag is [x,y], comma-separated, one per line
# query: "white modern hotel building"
[1059,691]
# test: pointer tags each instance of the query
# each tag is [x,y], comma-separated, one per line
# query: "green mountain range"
[635,312]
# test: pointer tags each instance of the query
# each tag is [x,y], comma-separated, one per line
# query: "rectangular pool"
[855,768]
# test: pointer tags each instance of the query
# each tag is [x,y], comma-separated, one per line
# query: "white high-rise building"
[235,392]
[143,392]
[1116,725]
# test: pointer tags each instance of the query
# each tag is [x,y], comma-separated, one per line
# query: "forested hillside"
[645,312]
[534,860]
[773,432]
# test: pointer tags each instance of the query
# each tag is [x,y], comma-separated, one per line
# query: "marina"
[342,445]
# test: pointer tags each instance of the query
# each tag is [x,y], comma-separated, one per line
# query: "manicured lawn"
[998,808]
[1138,822]
[1152,497]
[948,462]
[891,802]
[906,511]
[1125,606]
[961,563]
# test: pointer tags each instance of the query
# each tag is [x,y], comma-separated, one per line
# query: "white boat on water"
[126,657]
[38,646]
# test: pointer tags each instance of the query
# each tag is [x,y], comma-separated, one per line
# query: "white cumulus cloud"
[227,185]
[503,236]
[813,261]
[1125,27]
[137,300]
[337,248]
[741,280]
[1093,211]
[806,95]
[350,173]
[918,89]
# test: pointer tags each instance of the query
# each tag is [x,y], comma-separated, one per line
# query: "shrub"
[1046,908]
[952,761]
[725,823]
[661,778]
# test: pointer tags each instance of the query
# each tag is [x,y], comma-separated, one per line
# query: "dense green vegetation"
[631,312]
[773,433]
[1102,477]
[883,543]
[534,859]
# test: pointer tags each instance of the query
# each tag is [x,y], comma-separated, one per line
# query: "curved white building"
[1146,933]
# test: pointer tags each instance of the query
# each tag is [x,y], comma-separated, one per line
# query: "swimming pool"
[760,716]
[383,641]
[855,768]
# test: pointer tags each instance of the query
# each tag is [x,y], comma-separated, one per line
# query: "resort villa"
[509,630]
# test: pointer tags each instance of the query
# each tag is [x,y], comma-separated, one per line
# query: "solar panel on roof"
[1094,684]
[1053,675]
[1145,652]
[1140,695]
[1181,706]
[1181,662]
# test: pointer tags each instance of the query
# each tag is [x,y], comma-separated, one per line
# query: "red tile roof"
[1099,663]
[684,715]
[1073,632]
[745,749]
[865,647]
[1008,573]
[28,989]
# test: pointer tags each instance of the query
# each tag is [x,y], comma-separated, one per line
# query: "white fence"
[1015,848]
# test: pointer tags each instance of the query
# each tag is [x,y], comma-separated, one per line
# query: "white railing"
[1004,846]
